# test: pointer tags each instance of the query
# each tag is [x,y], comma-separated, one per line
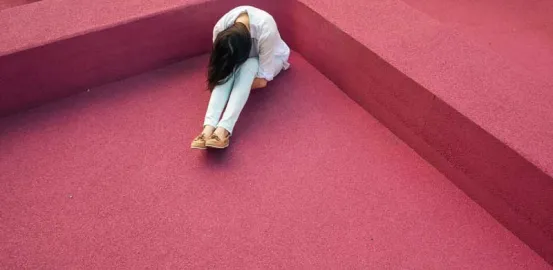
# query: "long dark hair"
[230,50]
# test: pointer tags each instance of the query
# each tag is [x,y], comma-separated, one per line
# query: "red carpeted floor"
[5,4]
[519,30]
[105,179]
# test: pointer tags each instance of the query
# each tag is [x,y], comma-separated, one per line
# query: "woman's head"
[230,50]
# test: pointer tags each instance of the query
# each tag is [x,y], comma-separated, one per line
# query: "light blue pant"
[233,94]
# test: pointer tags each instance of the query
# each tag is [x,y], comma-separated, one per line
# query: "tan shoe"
[198,142]
[215,142]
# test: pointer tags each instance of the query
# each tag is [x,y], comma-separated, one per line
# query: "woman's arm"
[267,44]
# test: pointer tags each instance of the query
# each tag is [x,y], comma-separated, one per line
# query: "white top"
[266,41]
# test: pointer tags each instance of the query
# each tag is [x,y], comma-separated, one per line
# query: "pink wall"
[33,76]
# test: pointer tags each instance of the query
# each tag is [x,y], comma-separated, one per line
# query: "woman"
[247,53]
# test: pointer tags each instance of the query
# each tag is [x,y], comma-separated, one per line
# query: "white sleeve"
[217,28]
[221,25]
[267,45]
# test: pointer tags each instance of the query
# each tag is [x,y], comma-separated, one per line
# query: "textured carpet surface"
[6,4]
[51,20]
[416,36]
[509,100]
[519,30]
[89,44]
[105,179]
[480,118]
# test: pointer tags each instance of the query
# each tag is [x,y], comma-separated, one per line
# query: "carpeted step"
[6,4]
[477,112]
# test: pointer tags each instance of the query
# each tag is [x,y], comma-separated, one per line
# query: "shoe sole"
[217,147]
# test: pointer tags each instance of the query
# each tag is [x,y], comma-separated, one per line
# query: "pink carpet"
[480,117]
[466,85]
[105,179]
[519,30]
[6,4]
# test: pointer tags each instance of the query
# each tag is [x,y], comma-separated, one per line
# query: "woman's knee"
[251,65]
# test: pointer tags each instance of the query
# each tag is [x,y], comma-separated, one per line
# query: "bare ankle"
[208,130]
[221,132]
